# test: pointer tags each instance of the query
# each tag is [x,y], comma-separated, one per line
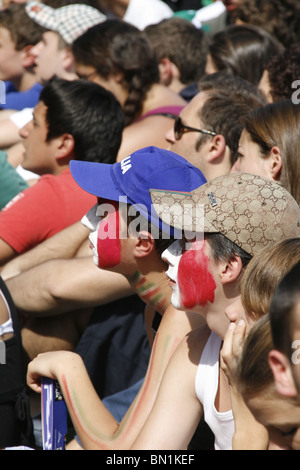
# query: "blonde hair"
[253,373]
[263,274]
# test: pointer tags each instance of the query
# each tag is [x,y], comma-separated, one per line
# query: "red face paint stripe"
[195,281]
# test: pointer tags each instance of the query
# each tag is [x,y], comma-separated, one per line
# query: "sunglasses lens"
[177,128]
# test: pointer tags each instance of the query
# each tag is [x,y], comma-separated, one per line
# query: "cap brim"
[96,179]
[181,211]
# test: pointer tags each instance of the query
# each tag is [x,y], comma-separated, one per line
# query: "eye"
[289,432]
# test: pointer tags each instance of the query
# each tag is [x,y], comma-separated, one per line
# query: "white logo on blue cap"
[125,164]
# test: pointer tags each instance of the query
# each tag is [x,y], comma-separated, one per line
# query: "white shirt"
[206,386]
[141,13]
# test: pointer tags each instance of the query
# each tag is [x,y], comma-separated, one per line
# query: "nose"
[170,136]
[25,130]
[36,49]
[90,220]
[171,254]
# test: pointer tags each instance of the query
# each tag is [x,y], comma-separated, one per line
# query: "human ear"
[165,71]
[65,146]
[230,270]
[27,58]
[282,373]
[275,163]
[68,59]
[217,148]
[145,244]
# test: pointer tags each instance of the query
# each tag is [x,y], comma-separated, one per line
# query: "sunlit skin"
[210,66]
[34,135]
[235,313]
[250,159]
[10,58]
[150,292]
[265,87]
[50,59]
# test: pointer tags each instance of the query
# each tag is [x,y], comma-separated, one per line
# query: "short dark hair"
[116,46]
[224,249]
[181,42]
[87,111]
[225,113]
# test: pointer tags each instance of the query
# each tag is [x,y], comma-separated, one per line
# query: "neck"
[152,288]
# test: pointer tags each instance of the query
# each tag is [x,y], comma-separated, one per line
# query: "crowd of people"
[150,222]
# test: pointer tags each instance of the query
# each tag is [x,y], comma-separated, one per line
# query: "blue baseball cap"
[133,177]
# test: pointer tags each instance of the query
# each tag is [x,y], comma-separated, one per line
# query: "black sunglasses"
[180,128]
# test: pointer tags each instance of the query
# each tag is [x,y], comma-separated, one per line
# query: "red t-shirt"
[38,212]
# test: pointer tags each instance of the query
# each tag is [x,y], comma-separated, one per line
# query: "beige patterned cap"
[249,210]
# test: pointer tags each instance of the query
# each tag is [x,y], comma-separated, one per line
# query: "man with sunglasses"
[208,129]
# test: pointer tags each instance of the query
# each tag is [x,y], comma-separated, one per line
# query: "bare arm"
[95,427]
[9,135]
[64,244]
[62,285]
[7,253]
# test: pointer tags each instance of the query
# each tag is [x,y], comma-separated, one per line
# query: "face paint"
[103,221]
[148,291]
[191,278]
[195,280]
[108,239]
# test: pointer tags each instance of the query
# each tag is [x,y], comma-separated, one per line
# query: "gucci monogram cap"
[249,210]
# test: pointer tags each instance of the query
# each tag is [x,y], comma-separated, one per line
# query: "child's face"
[48,56]
[10,59]
[190,274]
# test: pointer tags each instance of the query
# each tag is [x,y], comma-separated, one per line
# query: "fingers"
[232,348]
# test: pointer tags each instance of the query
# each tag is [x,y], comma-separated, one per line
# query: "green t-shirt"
[11,183]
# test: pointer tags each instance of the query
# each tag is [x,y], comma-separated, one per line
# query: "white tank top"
[206,385]
[6,327]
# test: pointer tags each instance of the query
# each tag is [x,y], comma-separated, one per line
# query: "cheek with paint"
[195,280]
[108,240]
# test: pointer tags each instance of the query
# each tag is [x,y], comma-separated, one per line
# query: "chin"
[176,302]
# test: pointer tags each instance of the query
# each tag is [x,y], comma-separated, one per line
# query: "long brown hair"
[278,124]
